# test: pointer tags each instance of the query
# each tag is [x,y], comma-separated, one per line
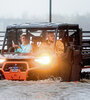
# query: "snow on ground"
[44,90]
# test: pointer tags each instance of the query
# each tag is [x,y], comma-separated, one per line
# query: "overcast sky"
[39,8]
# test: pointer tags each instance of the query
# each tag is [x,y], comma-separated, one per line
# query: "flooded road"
[44,90]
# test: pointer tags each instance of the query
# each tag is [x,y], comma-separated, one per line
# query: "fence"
[2,34]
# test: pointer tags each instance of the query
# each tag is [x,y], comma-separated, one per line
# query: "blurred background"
[28,11]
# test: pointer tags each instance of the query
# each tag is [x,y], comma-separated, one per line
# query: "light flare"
[43,60]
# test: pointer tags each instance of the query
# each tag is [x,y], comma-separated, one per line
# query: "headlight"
[43,60]
[2,60]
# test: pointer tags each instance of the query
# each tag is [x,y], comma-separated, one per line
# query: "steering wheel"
[11,49]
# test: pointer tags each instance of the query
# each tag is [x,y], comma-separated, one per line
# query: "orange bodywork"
[15,74]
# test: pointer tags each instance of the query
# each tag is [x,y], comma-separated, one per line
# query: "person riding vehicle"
[60,58]
[25,46]
[48,45]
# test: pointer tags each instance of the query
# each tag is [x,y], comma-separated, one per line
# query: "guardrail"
[86,48]
[2,34]
[85,40]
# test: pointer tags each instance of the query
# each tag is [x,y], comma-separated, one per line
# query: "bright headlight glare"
[43,60]
[2,60]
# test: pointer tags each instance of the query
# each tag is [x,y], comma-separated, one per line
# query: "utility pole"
[50,11]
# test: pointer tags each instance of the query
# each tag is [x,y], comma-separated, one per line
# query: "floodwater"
[44,90]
